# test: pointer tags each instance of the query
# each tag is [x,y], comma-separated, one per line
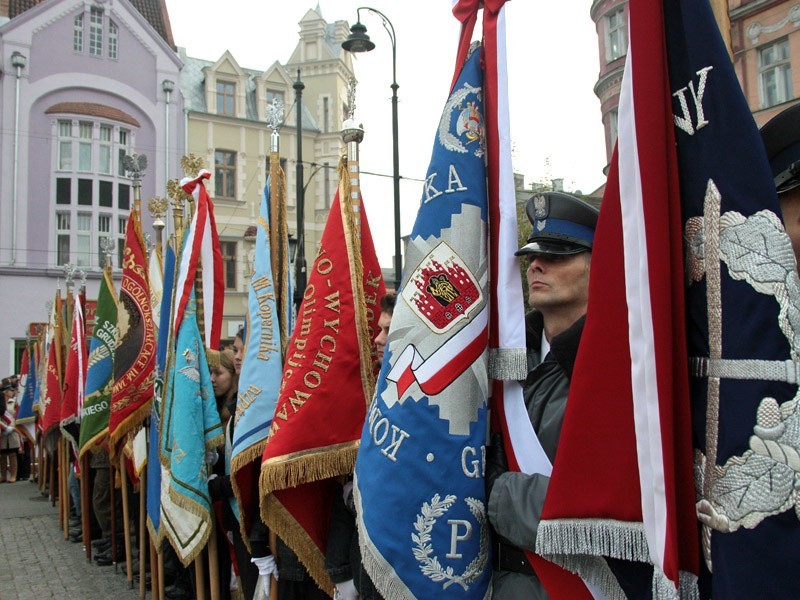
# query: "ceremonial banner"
[191,428]
[741,295]
[260,378]
[135,357]
[139,445]
[419,486]
[51,394]
[155,278]
[154,467]
[26,419]
[100,371]
[201,246]
[743,310]
[328,380]
[75,376]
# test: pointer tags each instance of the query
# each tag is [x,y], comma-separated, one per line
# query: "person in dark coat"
[558,255]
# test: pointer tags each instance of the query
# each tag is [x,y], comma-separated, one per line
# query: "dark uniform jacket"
[516,499]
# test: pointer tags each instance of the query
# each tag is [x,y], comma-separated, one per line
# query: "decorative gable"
[226,87]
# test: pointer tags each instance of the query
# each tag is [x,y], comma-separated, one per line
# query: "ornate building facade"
[764,42]
[83,83]
[226,126]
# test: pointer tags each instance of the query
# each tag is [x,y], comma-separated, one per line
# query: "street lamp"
[358,41]
[300,265]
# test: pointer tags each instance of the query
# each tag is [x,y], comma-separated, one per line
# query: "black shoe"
[76,537]
[75,522]
[103,561]
[101,544]
[177,592]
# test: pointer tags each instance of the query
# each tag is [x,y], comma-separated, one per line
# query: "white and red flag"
[75,374]
[621,486]
[201,245]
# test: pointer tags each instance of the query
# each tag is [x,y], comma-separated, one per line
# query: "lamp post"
[18,61]
[358,41]
[300,264]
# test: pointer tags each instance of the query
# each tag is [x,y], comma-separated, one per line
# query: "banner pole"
[85,516]
[112,481]
[123,480]
[213,563]
[142,535]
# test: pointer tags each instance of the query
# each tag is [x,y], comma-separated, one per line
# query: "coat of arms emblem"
[441,290]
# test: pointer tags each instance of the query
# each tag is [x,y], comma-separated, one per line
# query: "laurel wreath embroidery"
[423,552]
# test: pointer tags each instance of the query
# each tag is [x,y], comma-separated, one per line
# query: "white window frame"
[113,40]
[100,138]
[223,97]
[96,19]
[779,69]
[616,37]
[63,232]
[77,33]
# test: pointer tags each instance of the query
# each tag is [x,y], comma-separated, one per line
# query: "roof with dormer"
[193,88]
[154,11]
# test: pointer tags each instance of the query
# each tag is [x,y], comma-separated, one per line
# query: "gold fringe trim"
[279,520]
[91,445]
[278,236]
[156,536]
[131,422]
[215,442]
[354,246]
[205,517]
[307,468]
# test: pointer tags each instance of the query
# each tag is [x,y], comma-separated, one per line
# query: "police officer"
[558,255]
[781,136]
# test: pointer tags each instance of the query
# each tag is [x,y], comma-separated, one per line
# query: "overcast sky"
[553,66]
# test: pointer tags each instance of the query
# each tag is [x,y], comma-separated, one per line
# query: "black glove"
[220,488]
[496,462]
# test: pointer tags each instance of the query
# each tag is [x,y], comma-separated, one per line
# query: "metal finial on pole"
[69,275]
[275,113]
[353,134]
[149,244]
[158,210]
[108,246]
[135,164]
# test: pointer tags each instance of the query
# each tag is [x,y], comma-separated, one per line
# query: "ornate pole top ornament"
[191,165]
[108,246]
[149,244]
[177,193]
[135,164]
[351,97]
[351,130]
[275,113]
[158,210]
[82,274]
[69,274]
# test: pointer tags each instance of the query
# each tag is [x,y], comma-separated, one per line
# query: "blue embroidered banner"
[419,472]
[191,428]
[260,379]
[153,499]
[743,303]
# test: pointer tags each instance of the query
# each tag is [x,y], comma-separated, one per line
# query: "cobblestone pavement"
[38,563]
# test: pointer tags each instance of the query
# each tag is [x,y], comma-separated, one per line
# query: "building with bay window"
[84,82]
